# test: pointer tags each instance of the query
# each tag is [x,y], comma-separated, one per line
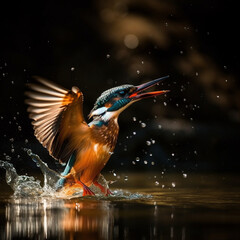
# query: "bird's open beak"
[137,95]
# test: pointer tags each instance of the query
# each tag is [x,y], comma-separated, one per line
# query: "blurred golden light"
[131,41]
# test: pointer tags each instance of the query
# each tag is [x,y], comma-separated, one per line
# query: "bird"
[84,148]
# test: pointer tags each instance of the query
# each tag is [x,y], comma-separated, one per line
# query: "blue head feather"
[107,95]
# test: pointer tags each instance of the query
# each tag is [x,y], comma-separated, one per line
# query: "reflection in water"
[46,219]
[210,211]
[88,219]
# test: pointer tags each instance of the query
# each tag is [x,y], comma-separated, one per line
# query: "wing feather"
[57,117]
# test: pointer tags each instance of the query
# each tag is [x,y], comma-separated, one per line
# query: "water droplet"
[12,150]
[108,56]
[181,52]
[134,119]
[173,184]
[218,96]
[148,143]
[153,141]
[152,163]
[142,62]
[138,72]
[145,162]
[11,139]
[72,69]
[19,128]
[225,67]
[26,140]
[165,104]
[173,154]
[29,152]
[184,175]
[196,73]
[163,186]
[134,133]
[8,158]
[159,126]
[137,159]
[143,125]
[195,152]
[133,162]
[156,183]
[126,178]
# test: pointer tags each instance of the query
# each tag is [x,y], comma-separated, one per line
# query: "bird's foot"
[86,190]
[104,190]
[108,192]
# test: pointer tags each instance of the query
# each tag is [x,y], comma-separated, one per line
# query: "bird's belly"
[91,163]
[92,172]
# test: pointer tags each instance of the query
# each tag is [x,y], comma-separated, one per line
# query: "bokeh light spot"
[131,41]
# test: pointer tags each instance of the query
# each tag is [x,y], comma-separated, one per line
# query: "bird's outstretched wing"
[57,117]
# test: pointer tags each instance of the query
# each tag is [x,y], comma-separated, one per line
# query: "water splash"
[22,185]
[51,177]
[28,186]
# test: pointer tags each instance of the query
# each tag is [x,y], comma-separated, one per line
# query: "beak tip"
[147,85]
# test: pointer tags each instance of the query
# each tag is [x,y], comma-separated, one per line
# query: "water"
[197,207]
[23,185]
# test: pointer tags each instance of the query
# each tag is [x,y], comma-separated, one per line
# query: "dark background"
[83,43]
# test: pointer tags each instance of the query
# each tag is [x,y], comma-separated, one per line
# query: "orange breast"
[90,162]
[94,151]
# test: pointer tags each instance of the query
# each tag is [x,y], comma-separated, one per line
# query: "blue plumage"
[111,93]
[66,171]
[119,104]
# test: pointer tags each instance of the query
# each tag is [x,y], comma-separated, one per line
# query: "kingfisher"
[84,148]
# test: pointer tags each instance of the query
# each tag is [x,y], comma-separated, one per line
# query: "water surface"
[197,207]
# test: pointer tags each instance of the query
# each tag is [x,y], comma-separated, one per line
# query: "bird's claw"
[104,190]
[88,192]
[108,193]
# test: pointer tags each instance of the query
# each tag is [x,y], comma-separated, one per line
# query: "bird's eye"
[122,92]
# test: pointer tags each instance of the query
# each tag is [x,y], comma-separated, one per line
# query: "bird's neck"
[105,132]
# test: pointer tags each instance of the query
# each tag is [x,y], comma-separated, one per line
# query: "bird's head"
[113,101]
